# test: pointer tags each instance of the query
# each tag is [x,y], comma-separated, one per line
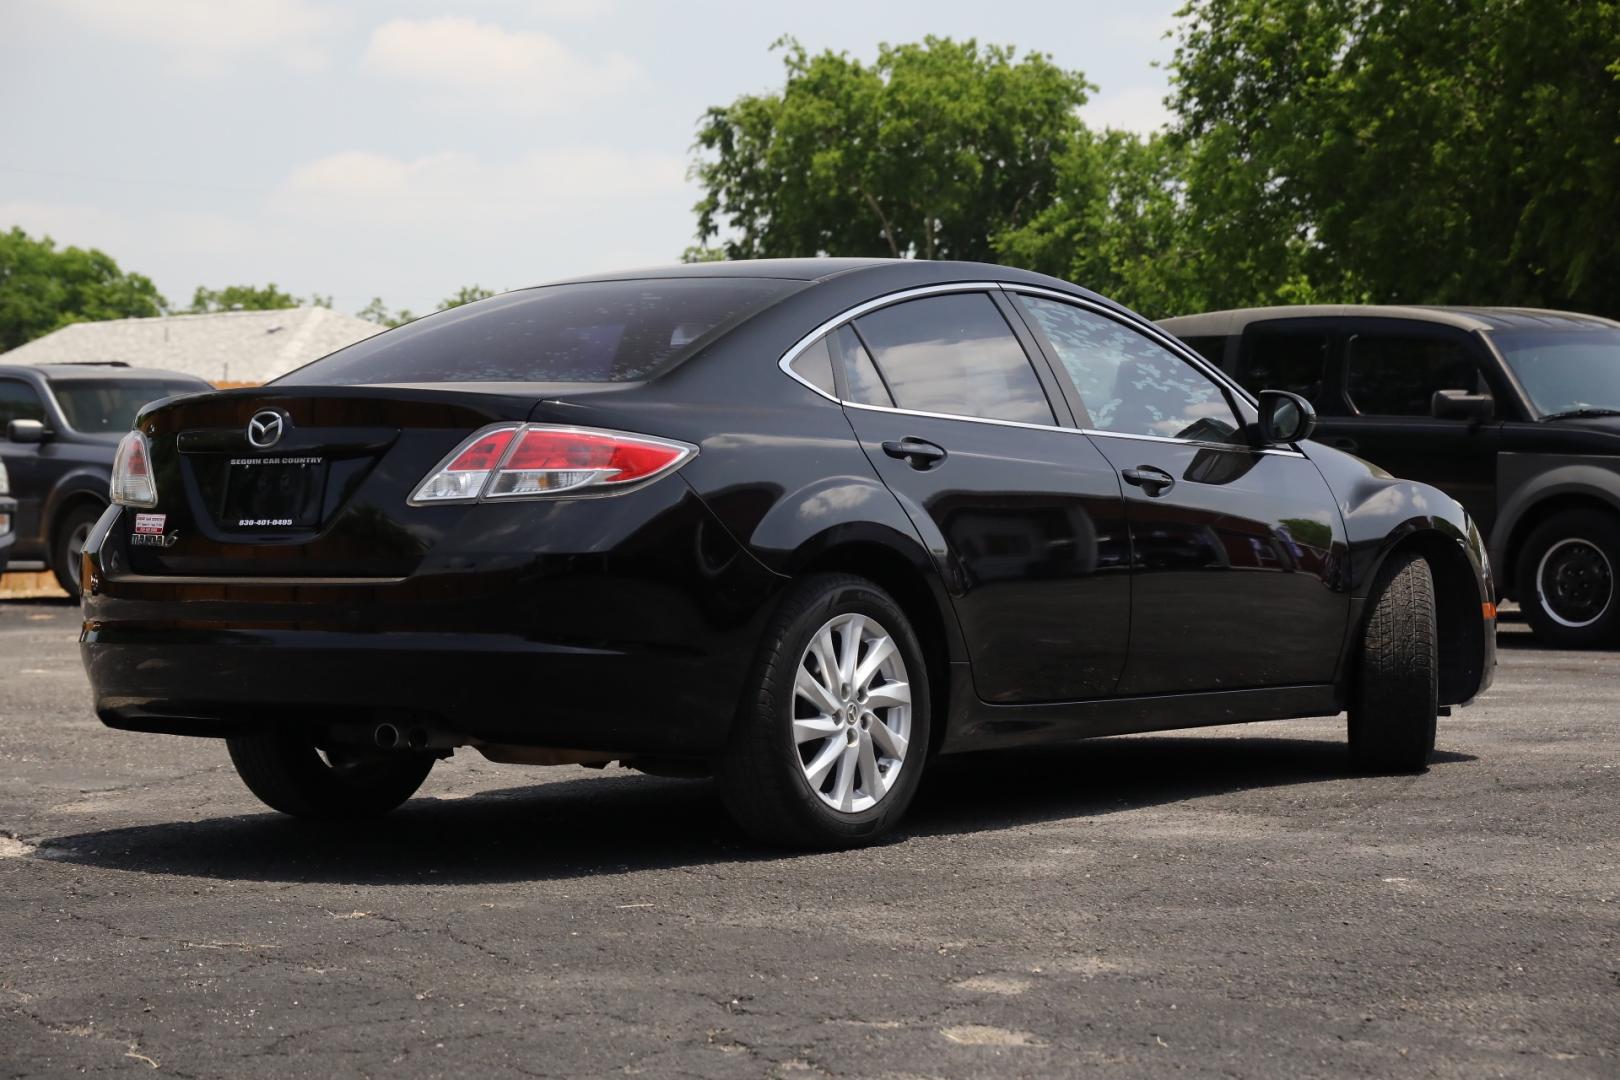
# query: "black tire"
[69,536]
[292,776]
[1566,579]
[762,774]
[1394,701]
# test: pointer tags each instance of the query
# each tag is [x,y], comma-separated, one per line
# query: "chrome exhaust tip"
[386,736]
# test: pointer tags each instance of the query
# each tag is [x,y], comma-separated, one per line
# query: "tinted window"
[1294,362]
[1397,376]
[861,376]
[1563,370]
[1212,349]
[605,331]
[814,366]
[18,401]
[1128,383]
[94,405]
[955,354]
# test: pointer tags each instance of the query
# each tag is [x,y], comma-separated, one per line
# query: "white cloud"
[357,186]
[470,64]
[1136,108]
[207,35]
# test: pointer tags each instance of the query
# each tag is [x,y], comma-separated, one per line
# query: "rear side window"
[602,331]
[860,374]
[955,354]
[814,366]
[1296,362]
[1397,376]
[18,401]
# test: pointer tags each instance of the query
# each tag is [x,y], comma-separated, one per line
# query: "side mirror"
[27,431]
[1285,418]
[1461,405]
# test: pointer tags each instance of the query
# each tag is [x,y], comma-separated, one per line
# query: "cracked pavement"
[1226,902]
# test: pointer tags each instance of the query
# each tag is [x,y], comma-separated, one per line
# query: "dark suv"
[1514,412]
[59,427]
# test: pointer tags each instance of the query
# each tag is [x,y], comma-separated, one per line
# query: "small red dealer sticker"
[150,523]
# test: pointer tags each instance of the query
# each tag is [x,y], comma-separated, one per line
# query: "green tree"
[378,312]
[932,151]
[1413,150]
[42,288]
[249,298]
[467,294]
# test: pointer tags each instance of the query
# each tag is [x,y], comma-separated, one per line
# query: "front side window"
[1130,384]
[955,354]
[1565,371]
[1387,375]
[1292,361]
[92,405]
[18,401]
[589,332]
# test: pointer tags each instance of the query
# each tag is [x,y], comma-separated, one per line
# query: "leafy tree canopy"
[43,288]
[378,312]
[930,151]
[1442,151]
[249,298]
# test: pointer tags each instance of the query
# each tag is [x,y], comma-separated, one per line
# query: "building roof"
[1220,323]
[228,346]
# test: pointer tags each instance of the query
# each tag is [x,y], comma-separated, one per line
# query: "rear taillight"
[132,483]
[517,461]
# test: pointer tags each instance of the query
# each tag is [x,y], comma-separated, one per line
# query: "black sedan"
[803,525]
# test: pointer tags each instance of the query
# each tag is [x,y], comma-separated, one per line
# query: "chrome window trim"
[1175,347]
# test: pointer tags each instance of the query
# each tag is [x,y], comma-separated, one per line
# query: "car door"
[1391,374]
[1022,515]
[29,482]
[1236,551]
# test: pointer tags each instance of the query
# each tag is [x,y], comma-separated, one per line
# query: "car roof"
[896,273]
[1221,323]
[101,372]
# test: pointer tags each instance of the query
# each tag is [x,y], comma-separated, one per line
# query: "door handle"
[1153,482]
[920,454]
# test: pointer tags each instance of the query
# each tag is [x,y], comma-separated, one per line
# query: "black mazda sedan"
[802,525]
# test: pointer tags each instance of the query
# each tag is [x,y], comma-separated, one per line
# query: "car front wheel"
[828,750]
[1566,579]
[68,545]
[1394,698]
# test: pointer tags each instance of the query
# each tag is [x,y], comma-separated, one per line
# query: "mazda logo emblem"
[266,428]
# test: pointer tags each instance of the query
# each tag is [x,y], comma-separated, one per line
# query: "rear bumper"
[641,646]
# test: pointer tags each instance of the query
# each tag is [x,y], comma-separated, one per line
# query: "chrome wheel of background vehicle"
[69,542]
[851,713]
[1574,583]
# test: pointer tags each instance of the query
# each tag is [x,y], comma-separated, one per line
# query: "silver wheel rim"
[1574,574]
[851,713]
[75,544]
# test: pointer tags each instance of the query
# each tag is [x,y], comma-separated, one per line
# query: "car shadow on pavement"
[615,824]
[622,823]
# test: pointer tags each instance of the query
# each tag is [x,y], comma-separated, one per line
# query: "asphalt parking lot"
[1223,903]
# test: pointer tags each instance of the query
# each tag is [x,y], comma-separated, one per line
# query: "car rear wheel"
[68,544]
[329,784]
[1566,579]
[828,750]
[1394,700]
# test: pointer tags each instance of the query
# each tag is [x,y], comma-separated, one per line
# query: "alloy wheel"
[1574,583]
[851,713]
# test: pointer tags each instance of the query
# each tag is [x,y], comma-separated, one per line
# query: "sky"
[404,149]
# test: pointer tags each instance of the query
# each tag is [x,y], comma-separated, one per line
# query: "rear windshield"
[91,405]
[595,332]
